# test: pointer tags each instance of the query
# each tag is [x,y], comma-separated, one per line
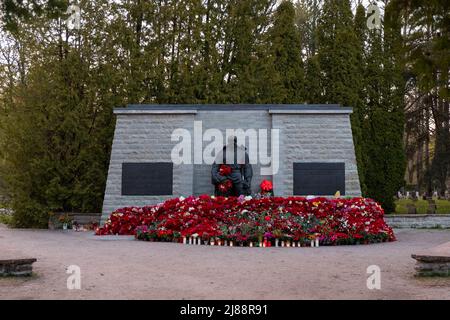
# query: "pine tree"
[313,84]
[338,58]
[247,19]
[429,66]
[286,49]
[307,16]
[384,121]
[57,139]
[359,109]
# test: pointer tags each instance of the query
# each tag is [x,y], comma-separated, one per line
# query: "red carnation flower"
[225,186]
[266,186]
[225,170]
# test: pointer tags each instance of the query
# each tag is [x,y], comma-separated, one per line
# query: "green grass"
[443,206]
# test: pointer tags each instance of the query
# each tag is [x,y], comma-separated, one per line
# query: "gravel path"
[128,269]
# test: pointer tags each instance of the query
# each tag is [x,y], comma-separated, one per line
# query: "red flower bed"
[332,221]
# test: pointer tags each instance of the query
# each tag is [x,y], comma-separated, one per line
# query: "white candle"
[282,243]
[190,240]
[184,240]
[276,242]
[317,242]
[226,243]
[260,245]
[219,242]
[231,243]
[312,243]
[251,244]
[288,243]
[212,242]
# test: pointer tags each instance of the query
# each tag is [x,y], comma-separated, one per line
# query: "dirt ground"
[129,269]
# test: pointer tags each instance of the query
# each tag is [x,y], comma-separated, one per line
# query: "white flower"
[191,209]
[195,235]
[181,198]
[310,197]
[247,198]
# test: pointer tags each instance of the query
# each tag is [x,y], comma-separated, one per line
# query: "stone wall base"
[431,269]
[16,267]
[419,221]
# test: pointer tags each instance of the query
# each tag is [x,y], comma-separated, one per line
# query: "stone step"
[16,267]
[434,261]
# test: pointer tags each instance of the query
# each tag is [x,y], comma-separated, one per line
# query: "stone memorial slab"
[16,267]
[434,261]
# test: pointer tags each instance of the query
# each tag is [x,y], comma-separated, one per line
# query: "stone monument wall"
[316,153]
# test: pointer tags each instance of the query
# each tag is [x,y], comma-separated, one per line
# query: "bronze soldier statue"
[232,177]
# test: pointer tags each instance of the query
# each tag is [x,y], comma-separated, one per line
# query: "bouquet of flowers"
[266,187]
[225,170]
[224,187]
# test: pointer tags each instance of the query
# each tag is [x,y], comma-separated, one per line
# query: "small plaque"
[147,179]
[319,178]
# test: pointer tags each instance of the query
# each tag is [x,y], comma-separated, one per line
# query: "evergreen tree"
[58,86]
[428,58]
[338,58]
[359,110]
[313,84]
[247,19]
[15,11]
[394,105]
[287,52]
[58,136]
[307,16]
[383,125]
